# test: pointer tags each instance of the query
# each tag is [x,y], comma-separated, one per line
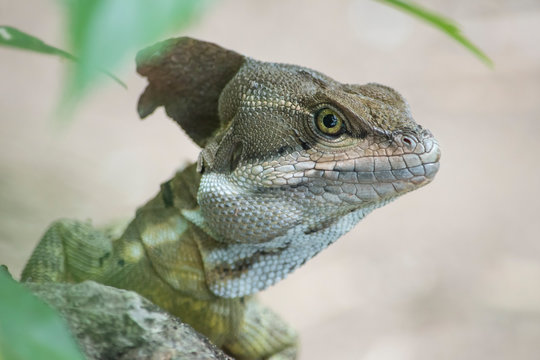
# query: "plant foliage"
[440,22]
[102,33]
[29,328]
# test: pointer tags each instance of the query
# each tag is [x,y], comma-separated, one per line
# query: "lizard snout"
[430,154]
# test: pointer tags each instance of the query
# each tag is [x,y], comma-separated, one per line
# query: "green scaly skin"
[290,161]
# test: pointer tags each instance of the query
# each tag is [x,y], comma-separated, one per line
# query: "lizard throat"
[240,269]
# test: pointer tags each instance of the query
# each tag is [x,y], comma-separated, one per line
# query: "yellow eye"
[329,122]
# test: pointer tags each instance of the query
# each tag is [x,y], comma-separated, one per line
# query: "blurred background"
[451,271]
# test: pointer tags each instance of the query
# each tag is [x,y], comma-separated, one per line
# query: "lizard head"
[285,147]
[291,159]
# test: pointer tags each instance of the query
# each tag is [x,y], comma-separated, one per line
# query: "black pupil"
[330,120]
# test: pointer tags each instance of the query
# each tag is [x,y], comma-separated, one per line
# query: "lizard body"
[290,161]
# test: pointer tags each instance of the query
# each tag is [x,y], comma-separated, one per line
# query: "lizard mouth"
[370,178]
[383,177]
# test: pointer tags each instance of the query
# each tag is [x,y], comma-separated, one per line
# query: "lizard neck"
[236,266]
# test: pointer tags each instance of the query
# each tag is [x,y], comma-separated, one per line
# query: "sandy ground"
[451,271]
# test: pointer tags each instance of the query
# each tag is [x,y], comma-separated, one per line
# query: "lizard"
[290,161]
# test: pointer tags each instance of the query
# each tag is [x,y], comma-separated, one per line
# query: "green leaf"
[444,24]
[30,329]
[9,36]
[12,37]
[104,33]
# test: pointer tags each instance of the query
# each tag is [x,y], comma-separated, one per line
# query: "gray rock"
[111,323]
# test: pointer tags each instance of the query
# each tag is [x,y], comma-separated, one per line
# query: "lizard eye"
[329,122]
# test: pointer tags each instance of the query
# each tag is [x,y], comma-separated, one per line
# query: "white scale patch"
[166,232]
[133,252]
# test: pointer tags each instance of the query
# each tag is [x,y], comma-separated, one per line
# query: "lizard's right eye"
[329,122]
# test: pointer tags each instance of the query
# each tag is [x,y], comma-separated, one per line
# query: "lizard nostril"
[407,140]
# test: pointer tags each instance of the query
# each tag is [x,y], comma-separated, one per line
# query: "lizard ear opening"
[187,76]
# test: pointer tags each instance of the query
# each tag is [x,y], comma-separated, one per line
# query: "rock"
[112,323]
